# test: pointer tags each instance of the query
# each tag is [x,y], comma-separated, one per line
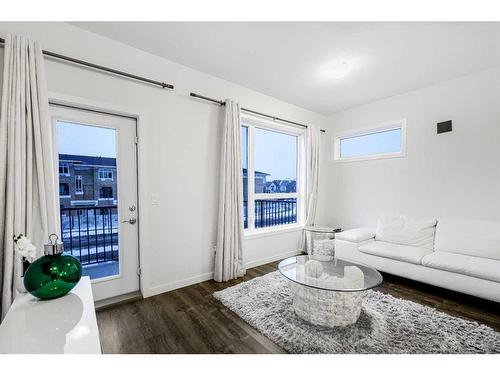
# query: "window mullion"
[251,180]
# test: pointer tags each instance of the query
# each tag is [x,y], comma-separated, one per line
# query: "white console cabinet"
[65,325]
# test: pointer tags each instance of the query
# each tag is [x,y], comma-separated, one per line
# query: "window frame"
[108,198]
[252,122]
[386,126]
[78,178]
[107,170]
[64,165]
[69,190]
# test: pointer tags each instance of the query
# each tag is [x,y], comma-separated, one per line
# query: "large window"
[271,158]
[387,140]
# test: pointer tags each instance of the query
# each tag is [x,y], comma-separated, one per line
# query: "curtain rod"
[103,68]
[221,102]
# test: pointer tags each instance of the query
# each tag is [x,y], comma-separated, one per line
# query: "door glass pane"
[275,162]
[381,142]
[89,196]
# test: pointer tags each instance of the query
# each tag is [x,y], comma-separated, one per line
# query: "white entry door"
[97,169]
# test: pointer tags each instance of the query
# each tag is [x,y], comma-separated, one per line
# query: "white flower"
[25,247]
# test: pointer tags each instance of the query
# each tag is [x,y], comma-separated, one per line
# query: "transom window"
[78,185]
[105,174]
[64,169]
[383,141]
[272,170]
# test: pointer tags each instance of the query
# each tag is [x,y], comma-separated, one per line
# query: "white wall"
[179,147]
[452,175]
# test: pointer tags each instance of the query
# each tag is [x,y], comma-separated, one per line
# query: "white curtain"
[27,185]
[312,172]
[229,251]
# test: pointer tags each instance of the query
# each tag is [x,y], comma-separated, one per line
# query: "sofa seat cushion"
[406,230]
[404,253]
[483,268]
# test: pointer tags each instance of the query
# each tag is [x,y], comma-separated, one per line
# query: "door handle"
[132,220]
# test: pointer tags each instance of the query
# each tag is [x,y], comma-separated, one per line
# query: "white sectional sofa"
[461,255]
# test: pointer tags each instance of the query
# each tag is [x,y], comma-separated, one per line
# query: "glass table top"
[336,275]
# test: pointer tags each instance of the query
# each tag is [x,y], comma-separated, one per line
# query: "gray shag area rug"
[386,325]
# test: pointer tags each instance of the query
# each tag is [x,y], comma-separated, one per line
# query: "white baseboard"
[273,258]
[163,288]
[167,287]
[117,299]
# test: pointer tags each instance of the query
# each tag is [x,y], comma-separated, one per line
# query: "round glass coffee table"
[328,293]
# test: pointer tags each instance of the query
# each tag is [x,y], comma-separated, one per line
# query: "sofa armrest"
[356,235]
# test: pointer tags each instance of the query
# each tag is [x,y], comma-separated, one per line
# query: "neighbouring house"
[260,182]
[87,181]
[280,186]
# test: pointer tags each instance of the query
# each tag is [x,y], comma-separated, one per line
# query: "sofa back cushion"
[406,230]
[478,238]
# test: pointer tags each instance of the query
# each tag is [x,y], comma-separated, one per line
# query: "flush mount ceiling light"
[336,69]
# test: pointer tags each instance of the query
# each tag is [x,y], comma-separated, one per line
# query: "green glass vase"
[54,274]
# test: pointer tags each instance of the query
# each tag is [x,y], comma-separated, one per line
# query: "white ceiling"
[303,62]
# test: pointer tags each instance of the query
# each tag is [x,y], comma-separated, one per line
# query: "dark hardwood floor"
[191,320]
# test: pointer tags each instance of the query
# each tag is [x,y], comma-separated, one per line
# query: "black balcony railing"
[272,212]
[90,233]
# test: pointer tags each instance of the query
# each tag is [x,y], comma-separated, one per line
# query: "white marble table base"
[325,307]
[322,300]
